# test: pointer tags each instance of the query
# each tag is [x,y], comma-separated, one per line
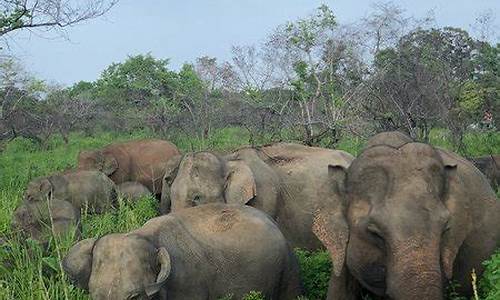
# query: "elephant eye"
[196,200]
[134,296]
[375,232]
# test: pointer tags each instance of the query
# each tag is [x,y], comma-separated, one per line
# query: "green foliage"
[471,99]
[315,270]
[490,282]
[253,296]
[10,20]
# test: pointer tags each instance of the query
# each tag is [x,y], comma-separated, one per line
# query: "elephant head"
[98,160]
[398,228]
[118,266]
[41,219]
[203,177]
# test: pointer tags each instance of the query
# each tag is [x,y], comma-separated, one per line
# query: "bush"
[490,282]
[315,269]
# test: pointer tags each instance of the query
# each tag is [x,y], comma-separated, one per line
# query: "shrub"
[490,283]
[315,269]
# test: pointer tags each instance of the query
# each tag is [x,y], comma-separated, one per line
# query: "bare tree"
[484,25]
[47,14]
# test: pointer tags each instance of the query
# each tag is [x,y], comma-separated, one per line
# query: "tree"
[419,83]
[48,14]
[318,56]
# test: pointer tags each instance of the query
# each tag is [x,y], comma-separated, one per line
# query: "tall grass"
[29,272]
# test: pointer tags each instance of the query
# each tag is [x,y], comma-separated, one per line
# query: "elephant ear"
[46,189]
[171,169]
[240,185]
[163,259]
[78,263]
[109,164]
[460,222]
[329,223]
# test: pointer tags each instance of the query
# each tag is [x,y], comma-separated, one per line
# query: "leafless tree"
[484,25]
[47,14]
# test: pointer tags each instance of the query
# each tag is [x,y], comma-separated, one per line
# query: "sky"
[183,30]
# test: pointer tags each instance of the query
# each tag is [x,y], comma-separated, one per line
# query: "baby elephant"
[204,252]
[54,202]
[91,190]
[41,219]
[133,191]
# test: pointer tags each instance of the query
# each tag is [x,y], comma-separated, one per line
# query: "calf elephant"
[40,220]
[56,201]
[411,217]
[142,161]
[133,190]
[204,252]
[287,181]
[490,166]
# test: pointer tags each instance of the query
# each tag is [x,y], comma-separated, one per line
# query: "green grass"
[27,272]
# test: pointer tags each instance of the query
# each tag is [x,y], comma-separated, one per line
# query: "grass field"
[36,274]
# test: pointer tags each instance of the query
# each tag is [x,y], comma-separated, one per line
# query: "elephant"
[286,181]
[54,202]
[204,252]
[142,161]
[133,190]
[490,166]
[90,190]
[411,218]
[39,220]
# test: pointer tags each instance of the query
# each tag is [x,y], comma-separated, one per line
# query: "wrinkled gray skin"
[133,191]
[286,181]
[204,252]
[490,166]
[67,193]
[39,220]
[91,190]
[412,217]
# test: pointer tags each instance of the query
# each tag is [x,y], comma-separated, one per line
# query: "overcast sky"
[183,30]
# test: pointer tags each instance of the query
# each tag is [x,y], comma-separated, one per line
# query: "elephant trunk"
[414,271]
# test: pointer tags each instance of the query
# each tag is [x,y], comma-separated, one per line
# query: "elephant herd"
[402,220]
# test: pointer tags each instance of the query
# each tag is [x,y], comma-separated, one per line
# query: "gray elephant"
[205,252]
[91,190]
[61,195]
[133,191]
[411,215]
[142,161]
[286,181]
[490,166]
[40,220]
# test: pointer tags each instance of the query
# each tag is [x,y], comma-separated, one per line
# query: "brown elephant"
[490,166]
[133,191]
[142,161]
[204,252]
[286,181]
[56,201]
[412,217]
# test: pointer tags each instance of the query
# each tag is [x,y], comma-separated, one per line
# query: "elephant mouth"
[373,279]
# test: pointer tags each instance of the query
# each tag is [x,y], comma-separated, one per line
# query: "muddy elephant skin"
[205,252]
[412,218]
[142,161]
[286,181]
